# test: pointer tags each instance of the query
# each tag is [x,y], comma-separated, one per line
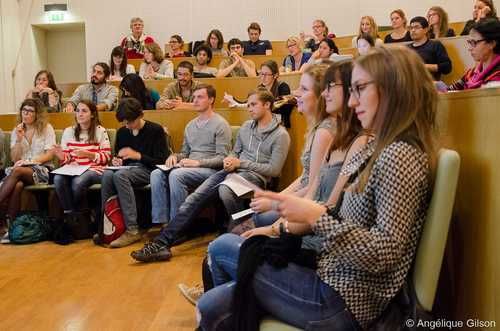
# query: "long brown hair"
[94,122]
[407,103]
[443,20]
[41,119]
[155,49]
[347,123]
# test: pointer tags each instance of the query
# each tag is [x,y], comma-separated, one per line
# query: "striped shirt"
[101,147]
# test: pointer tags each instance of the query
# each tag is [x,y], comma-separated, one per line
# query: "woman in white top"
[118,64]
[367,25]
[154,65]
[30,149]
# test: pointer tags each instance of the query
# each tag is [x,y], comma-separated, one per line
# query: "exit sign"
[56,17]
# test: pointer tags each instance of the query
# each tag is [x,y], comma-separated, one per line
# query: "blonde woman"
[296,57]
[154,65]
[400,32]
[438,23]
[367,25]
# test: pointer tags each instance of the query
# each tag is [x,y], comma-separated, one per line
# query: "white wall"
[106,22]
[66,55]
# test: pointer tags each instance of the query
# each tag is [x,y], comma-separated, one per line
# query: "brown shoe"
[127,238]
[192,294]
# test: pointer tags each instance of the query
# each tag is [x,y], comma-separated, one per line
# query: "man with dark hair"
[179,94]
[207,141]
[432,52]
[140,146]
[258,155]
[235,65]
[102,94]
[255,46]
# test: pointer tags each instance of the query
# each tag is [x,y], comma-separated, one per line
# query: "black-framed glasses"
[356,89]
[331,85]
[27,110]
[265,74]
[473,42]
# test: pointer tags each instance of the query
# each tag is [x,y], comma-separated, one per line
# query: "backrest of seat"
[112,139]
[432,243]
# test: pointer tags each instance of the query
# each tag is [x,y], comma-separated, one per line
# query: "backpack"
[28,228]
[113,225]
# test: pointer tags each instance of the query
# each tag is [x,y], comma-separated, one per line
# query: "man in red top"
[134,43]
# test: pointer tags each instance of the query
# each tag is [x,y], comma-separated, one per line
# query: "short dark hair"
[331,45]
[211,92]
[104,67]
[234,41]
[206,49]
[263,95]
[421,20]
[178,38]
[128,109]
[489,29]
[254,26]
[186,64]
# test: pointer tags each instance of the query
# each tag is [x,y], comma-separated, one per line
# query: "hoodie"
[262,152]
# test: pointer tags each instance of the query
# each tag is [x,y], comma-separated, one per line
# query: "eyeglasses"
[235,47]
[473,43]
[291,45]
[356,89]
[265,74]
[27,111]
[331,85]
[415,27]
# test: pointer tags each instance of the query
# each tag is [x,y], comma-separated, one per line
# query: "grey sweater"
[208,142]
[262,152]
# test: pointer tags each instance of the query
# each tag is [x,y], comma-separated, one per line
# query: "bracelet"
[273,230]
[287,230]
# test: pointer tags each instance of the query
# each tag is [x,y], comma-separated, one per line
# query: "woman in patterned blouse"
[371,242]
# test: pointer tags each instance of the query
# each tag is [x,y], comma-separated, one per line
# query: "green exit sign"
[56,17]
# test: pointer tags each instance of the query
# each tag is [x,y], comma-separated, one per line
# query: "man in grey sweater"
[259,154]
[207,141]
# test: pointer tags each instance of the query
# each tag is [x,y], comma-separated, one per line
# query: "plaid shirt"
[369,249]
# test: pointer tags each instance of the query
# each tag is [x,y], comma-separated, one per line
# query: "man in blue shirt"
[255,46]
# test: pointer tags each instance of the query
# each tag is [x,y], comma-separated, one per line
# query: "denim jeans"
[170,189]
[266,218]
[295,294]
[197,200]
[122,183]
[71,190]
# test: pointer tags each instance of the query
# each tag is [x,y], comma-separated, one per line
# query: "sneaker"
[5,238]
[151,252]
[127,238]
[192,294]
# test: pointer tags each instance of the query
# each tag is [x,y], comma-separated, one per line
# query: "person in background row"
[141,144]
[215,41]
[118,64]
[400,32]
[484,47]
[31,142]
[235,65]
[438,22]
[364,43]
[84,143]
[176,45]
[255,46]
[134,43]
[320,32]
[46,90]
[327,51]
[432,52]
[154,65]
[133,86]
[296,57]
[203,55]
[367,25]
[179,94]
[102,94]
[482,9]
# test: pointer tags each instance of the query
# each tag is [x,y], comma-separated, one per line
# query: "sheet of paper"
[119,167]
[241,214]
[165,168]
[239,185]
[71,170]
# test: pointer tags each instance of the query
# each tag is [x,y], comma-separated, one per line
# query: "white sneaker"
[192,294]
[5,238]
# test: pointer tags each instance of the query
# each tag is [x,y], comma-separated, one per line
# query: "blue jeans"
[295,294]
[170,189]
[266,218]
[71,190]
[197,200]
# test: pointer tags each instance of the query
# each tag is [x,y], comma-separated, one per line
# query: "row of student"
[483,46]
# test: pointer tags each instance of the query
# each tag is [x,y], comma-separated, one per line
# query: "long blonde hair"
[41,119]
[373,25]
[407,106]
[443,20]
[317,72]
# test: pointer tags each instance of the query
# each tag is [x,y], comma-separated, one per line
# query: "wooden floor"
[80,287]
